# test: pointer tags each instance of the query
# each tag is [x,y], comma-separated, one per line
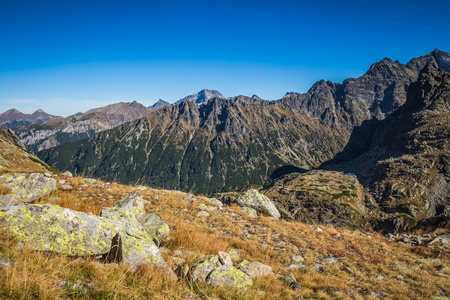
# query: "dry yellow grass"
[366,261]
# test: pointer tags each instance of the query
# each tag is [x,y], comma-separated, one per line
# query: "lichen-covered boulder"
[156,228]
[259,202]
[53,228]
[202,269]
[25,187]
[229,276]
[116,233]
[254,269]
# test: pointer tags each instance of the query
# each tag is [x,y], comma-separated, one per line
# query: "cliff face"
[404,160]
[54,132]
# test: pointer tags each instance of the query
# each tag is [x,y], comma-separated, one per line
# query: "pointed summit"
[160,104]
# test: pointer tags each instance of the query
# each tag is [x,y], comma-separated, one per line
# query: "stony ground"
[328,262]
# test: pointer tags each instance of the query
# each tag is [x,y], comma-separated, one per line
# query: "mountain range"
[13,117]
[228,144]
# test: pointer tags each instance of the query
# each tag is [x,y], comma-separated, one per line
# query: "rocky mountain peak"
[159,104]
[422,93]
[202,96]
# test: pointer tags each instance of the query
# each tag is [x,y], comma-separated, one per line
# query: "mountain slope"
[13,117]
[404,160]
[222,145]
[54,132]
[14,157]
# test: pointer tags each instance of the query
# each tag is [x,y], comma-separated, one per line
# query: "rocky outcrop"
[322,197]
[259,202]
[116,235]
[12,137]
[15,158]
[25,188]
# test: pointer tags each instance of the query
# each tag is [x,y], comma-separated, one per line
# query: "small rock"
[67,173]
[400,278]
[318,266]
[259,202]
[182,271]
[5,263]
[400,266]
[225,258]
[375,295]
[291,281]
[202,206]
[228,276]
[379,277]
[190,197]
[66,187]
[329,260]
[297,260]
[203,214]
[47,174]
[235,254]
[292,267]
[319,229]
[62,181]
[214,201]
[254,269]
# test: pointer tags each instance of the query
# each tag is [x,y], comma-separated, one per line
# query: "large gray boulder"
[116,234]
[25,187]
[259,202]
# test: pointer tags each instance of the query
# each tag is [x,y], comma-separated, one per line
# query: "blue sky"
[70,56]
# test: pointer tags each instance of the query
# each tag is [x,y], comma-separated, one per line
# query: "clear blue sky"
[69,56]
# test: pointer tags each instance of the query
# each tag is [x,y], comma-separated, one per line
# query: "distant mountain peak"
[202,96]
[159,104]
